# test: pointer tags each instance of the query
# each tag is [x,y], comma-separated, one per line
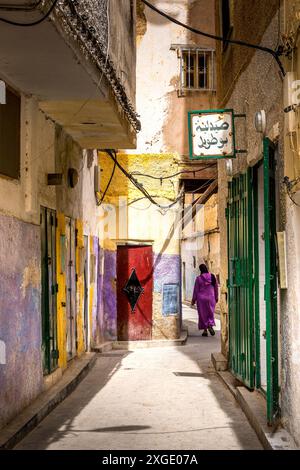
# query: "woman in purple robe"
[206,296]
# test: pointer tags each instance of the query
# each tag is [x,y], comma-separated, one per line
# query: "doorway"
[86,292]
[71,287]
[49,290]
[134,292]
[252,279]
[266,279]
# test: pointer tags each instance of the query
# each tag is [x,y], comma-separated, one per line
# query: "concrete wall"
[260,73]
[21,377]
[139,222]
[158,74]
[45,148]
[122,48]
[290,298]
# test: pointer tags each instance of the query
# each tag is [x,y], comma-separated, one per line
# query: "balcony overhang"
[44,62]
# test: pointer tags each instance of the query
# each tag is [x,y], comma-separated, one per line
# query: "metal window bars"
[197,69]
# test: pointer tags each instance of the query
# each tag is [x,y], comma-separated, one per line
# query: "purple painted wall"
[167,269]
[21,378]
[95,299]
[107,299]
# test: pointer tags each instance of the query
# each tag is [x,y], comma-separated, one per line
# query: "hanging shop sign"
[211,134]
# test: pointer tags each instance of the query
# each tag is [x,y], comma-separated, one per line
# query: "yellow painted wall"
[61,296]
[80,287]
[92,284]
[145,221]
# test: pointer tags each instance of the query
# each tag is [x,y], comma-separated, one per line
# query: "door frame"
[133,244]
[240,279]
[271,283]
[271,286]
[49,291]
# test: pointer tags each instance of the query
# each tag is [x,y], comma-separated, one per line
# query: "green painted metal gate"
[271,281]
[240,278]
[244,346]
[49,290]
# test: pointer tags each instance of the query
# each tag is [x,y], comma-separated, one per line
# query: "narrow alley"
[164,398]
[149,193]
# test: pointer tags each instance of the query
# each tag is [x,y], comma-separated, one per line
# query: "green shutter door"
[49,290]
[240,284]
[271,281]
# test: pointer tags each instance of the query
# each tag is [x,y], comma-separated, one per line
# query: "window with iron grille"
[197,69]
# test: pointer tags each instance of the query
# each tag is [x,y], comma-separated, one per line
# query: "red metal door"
[134,292]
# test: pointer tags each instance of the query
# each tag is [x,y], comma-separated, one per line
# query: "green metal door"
[49,290]
[271,281]
[240,279]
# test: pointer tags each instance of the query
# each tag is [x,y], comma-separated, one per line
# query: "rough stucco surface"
[110,295]
[163,114]
[21,378]
[261,76]
[166,271]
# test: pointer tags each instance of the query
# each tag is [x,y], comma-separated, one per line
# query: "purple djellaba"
[206,296]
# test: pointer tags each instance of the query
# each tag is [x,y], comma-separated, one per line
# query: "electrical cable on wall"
[108,185]
[138,173]
[112,154]
[33,23]
[289,186]
[236,42]
[203,186]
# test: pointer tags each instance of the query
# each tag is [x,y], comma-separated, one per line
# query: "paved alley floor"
[167,398]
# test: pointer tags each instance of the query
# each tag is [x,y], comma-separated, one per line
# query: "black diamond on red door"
[133,289]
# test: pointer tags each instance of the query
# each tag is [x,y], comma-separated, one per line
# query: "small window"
[196,70]
[10,135]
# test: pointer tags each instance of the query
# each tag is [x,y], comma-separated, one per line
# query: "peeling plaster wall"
[290,298]
[262,76]
[45,148]
[142,222]
[158,74]
[21,378]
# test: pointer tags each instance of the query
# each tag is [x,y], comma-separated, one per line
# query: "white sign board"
[211,134]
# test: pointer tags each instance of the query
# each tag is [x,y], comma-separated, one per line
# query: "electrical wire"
[204,185]
[218,38]
[138,185]
[138,173]
[108,185]
[112,154]
[33,23]
[289,185]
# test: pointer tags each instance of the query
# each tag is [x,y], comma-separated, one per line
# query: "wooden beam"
[207,194]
